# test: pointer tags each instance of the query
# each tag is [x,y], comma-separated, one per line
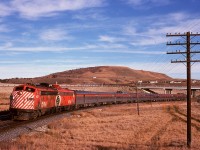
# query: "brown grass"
[4,101]
[5,91]
[115,127]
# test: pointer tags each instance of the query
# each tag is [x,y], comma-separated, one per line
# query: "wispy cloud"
[33,9]
[89,14]
[100,48]
[130,51]
[44,61]
[40,49]
[147,3]
[7,45]
[154,33]
[151,40]
[106,38]
[55,34]
[4,28]
[5,9]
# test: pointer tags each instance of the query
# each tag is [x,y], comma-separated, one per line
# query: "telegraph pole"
[187,36]
[138,109]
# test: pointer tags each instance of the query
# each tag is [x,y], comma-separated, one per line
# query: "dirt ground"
[158,126]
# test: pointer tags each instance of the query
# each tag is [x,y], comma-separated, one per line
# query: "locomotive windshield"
[19,88]
[29,89]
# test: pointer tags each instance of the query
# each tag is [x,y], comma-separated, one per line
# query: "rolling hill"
[95,75]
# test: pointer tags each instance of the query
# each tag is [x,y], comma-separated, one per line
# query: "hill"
[95,75]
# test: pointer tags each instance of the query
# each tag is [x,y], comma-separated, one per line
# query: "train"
[29,101]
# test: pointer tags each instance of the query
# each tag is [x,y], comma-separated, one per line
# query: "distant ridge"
[96,75]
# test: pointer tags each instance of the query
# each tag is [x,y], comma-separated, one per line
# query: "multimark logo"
[58,100]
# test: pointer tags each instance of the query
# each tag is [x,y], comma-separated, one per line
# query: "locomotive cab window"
[19,88]
[28,89]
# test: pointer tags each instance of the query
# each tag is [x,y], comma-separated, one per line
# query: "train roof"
[97,93]
[45,86]
[92,92]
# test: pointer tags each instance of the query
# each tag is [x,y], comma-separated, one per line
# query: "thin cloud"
[148,3]
[40,49]
[5,10]
[153,40]
[129,51]
[54,35]
[4,28]
[100,48]
[33,9]
[8,44]
[154,33]
[110,39]
[90,14]
[44,61]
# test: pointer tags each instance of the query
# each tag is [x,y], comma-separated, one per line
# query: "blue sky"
[39,37]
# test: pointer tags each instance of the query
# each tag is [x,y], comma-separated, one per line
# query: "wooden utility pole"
[188,61]
[138,109]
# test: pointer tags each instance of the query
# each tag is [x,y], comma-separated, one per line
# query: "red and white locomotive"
[30,101]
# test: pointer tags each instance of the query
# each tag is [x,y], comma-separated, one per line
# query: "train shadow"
[5,115]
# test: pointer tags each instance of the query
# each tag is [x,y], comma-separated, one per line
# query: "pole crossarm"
[184,34]
[182,61]
[179,43]
[181,52]
[177,52]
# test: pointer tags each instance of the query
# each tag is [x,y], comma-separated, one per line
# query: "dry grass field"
[5,91]
[159,126]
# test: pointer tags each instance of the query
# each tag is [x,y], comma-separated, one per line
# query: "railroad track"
[5,124]
[5,115]
[11,129]
[5,119]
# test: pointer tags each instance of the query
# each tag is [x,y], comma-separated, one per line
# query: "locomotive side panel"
[107,98]
[65,98]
